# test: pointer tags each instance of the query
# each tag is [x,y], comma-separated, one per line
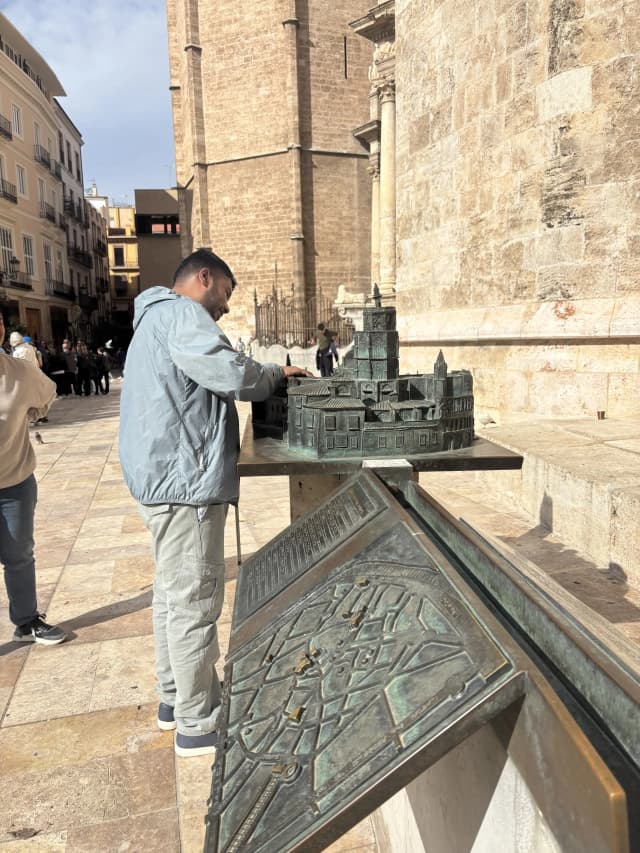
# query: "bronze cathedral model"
[367,409]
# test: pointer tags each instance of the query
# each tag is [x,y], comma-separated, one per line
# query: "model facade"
[367,409]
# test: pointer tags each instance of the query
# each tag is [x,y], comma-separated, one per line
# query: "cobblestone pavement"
[83,766]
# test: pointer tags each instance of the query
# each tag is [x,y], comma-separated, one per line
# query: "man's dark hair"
[202,258]
[321,327]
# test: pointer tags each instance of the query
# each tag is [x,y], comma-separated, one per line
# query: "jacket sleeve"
[42,393]
[198,347]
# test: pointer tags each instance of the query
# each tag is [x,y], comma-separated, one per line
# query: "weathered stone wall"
[518,163]
[236,114]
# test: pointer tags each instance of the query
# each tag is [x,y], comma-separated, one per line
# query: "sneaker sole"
[166,727]
[187,752]
[31,639]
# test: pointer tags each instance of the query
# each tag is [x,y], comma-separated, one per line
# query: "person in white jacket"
[22,349]
[25,394]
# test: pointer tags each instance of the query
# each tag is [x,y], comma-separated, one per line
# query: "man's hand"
[290,370]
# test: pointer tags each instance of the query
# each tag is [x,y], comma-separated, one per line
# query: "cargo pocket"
[199,588]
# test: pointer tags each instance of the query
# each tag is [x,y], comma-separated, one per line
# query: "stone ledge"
[581,479]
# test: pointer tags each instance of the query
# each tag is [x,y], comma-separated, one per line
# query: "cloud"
[111,57]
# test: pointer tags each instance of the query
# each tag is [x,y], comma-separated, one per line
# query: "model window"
[27,246]
[422,439]
[400,440]
[21,177]
[354,442]
[16,120]
[298,419]
[382,441]
[354,422]
[330,422]
[329,442]
[342,441]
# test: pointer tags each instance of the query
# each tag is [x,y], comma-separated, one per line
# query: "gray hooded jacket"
[179,436]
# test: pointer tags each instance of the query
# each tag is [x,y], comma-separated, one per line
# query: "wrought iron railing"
[79,255]
[47,211]
[56,169]
[19,280]
[102,285]
[42,155]
[9,190]
[54,287]
[100,247]
[293,322]
[5,127]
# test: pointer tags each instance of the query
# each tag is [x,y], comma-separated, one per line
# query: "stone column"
[387,282]
[374,171]
[291,24]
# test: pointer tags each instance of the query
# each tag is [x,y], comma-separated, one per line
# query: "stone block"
[569,318]
[625,541]
[568,92]
[625,318]
[554,246]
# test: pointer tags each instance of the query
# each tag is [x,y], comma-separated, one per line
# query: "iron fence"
[292,322]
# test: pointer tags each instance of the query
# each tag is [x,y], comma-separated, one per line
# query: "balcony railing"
[88,302]
[62,221]
[18,280]
[80,256]
[74,209]
[54,287]
[5,127]
[100,247]
[102,285]
[42,155]
[117,232]
[47,211]
[56,169]
[9,191]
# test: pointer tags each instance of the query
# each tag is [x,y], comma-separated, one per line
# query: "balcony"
[48,212]
[54,287]
[5,127]
[9,191]
[17,280]
[74,209]
[102,285]
[62,221]
[56,169]
[79,256]
[41,155]
[89,303]
[117,232]
[100,247]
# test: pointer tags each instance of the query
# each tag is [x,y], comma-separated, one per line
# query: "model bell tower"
[376,347]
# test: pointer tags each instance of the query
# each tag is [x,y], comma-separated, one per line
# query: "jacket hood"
[151,297]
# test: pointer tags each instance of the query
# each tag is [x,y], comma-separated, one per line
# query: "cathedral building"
[266,96]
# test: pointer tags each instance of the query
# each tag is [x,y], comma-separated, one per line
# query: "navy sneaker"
[37,631]
[166,720]
[188,745]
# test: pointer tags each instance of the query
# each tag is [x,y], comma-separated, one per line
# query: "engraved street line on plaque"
[347,685]
[302,545]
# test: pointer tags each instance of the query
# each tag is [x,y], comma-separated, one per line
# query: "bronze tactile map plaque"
[343,688]
[302,545]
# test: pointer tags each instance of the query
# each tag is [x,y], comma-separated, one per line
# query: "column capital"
[386,90]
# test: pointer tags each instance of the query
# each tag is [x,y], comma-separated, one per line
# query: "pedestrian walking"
[24,393]
[22,349]
[324,356]
[179,443]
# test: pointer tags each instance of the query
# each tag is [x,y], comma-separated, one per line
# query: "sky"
[111,59]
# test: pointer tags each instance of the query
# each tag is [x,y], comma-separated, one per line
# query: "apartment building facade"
[46,261]
[124,268]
